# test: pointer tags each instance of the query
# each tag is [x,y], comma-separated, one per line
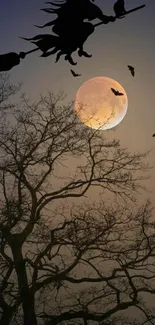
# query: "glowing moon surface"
[97,106]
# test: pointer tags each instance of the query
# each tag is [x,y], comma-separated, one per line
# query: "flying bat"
[116,92]
[75,74]
[132,70]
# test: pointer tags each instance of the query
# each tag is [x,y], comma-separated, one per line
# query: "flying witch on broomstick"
[71,32]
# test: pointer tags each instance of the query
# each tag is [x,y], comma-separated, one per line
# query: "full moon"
[97,106]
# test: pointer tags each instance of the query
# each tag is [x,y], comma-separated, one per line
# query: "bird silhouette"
[119,8]
[116,92]
[154,135]
[75,74]
[132,70]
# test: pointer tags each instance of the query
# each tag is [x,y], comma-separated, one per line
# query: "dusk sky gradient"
[113,46]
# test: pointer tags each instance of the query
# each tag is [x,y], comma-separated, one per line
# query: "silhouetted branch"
[41,257]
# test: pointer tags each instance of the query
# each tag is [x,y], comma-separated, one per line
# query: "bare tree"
[110,265]
[43,248]
[7,91]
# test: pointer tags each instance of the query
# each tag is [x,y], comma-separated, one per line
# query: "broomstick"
[126,13]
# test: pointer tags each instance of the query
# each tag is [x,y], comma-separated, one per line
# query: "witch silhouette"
[70,28]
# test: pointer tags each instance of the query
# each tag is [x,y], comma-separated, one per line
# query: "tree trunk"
[6,318]
[29,309]
[27,297]
[7,311]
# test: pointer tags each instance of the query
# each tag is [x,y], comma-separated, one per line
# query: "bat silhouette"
[132,70]
[75,74]
[116,92]
[154,135]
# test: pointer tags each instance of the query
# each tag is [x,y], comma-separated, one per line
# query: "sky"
[113,47]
